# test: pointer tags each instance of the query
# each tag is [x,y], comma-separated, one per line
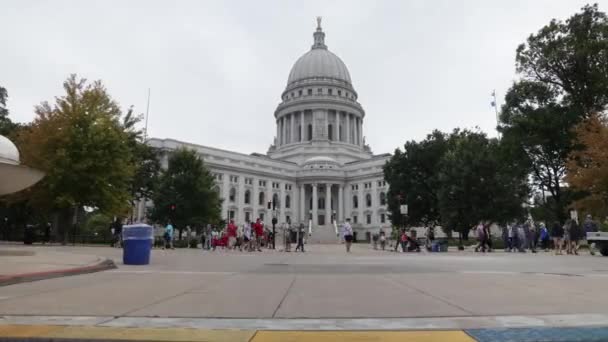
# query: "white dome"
[8,151]
[319,63]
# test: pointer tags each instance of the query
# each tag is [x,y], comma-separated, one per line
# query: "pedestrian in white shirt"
[348,234]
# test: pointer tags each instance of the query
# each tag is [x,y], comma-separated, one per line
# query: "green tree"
[476,184]
[413,178]
[186,193]
[6,125]
[83,149]
[571,58]
[537,129]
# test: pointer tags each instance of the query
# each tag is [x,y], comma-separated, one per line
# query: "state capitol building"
[319,169]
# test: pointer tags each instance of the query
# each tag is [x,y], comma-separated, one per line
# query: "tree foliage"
[81,146]
[456,180]
[413,178]
[6,125]
[588,166]
[564,77]
[188,187]
[570,57]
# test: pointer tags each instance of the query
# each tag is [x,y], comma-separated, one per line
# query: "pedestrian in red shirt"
[231,232]
[258,227]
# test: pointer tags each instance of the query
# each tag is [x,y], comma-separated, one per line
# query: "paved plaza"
[322,289]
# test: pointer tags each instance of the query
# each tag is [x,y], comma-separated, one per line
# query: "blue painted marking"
[541,334]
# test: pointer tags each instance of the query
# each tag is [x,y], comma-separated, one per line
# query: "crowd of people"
[531,236]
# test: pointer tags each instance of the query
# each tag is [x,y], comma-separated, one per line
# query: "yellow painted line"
[27,330]
[362,336]
[126,334]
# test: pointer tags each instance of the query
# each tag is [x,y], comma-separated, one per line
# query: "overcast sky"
[216,69]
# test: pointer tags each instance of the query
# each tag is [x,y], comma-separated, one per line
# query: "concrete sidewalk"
[24,264]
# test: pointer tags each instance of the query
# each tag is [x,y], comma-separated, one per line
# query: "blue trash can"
[137,244]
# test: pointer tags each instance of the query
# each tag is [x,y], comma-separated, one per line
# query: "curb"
[104,265]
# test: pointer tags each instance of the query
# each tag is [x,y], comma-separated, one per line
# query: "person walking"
[557,233]
[589,226]
[247,236]
[348,234]
[300,237]
[566,242]
[168,235]
[576,234]
[382,239]
[544,237]
[287,236]
[231,231]
[481,238]
[258,228]
[521,238]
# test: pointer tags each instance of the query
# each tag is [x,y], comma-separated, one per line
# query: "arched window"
[382,198]
[368,200]
[247,197]
[330,132]
[309,132]
[261,198]
[232,195]
[355,202]
[321,203]
[275,200]
[287,202]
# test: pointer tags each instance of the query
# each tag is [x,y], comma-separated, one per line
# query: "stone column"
[348,128]
[314,124]
[340,209]
[255,196]
[361,131]
[302,212]
[278,132]
[225,193]
[240,200]
[301,126]
[281,207]
[326,124]
[362,205]
[292,130]
[328,203]
[315,222]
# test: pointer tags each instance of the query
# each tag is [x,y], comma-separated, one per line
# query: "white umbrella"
[14,177]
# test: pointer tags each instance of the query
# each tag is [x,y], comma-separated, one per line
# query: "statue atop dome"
[319,23]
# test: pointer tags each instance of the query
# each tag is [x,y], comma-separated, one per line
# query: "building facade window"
[355,202]
[368,219]
[261,198]
[309,132]
[330,132]
[300,92]
[232,195]
[382,218]
[382,198]
[247,197]
[355,219]
[275,201]
[330,91]
[321,203]
[368,200]
[287,202]
[309,92]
